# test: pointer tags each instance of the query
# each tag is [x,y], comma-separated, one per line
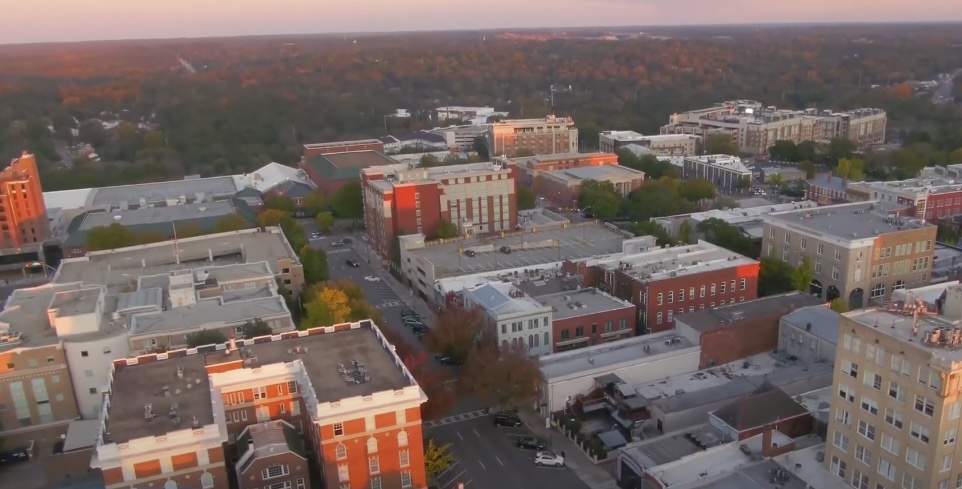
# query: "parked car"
[420,329]
[411,321]
[315,235]
[506,250]
[509,420]
[549,459]
[372,278]
[14,456]
[446,360]
[353,263]
[530,443]
[469,253]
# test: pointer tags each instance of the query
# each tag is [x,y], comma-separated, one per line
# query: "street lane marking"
[482,465]
[459,435]
[499,461]
[476,432]
[468,482]
[452,419]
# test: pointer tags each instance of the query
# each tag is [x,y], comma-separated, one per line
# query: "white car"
[549,459]
[372,278]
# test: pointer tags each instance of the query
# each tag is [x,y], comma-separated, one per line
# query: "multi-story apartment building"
[174,419]
[529,166]
[550,135]
[478,198]
[726,172]
[667,281]
[662,145]
[756,128]
[855,250]
[926,198]
[562,188]
[895,419]
[23,215]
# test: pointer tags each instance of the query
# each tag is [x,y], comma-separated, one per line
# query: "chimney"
[767,448]
[232,345]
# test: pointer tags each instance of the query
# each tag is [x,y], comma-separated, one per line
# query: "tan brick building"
[549,135]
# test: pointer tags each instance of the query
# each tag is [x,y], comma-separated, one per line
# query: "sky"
[26,21]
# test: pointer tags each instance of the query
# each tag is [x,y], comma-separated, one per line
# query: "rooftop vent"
[354,374]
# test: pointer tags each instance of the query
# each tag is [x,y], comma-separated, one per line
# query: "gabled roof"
[267,439]
[767,405]
[272,175]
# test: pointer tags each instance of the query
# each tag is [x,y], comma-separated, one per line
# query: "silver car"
[548,459]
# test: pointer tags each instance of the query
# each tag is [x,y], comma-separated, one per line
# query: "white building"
[517,318]
[462,137]
[722,170]
[748,219]
[476,116]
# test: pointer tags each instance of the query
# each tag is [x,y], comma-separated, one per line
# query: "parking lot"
[486,457]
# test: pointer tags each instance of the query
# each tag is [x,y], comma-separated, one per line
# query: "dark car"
[14,456]
[469,253]
[446,360]
[411,321]
[530,443]
[510,420]
[353,263]
[506,250]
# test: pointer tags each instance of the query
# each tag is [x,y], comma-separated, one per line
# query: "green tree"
[93,133]
[725,235]
[347,203]
[275,217]
[429,160]
[523,152]
[955,156]
[802,276]
[777,180]
[325,221]
[684,231]
[231,222]
[808,167]
[505,377]
[206,337]
[446,230]
[851,168]
[721,144]
[280,203]
[316,202]
[601,197]
[840,148]
[807,151]
[774,277]
[255,328]
[696,189]
[111,237]
[315,264]
[480,146]
[526,198]
[743,183]
[437,459]
[784,150]
[650,164]
[838,305]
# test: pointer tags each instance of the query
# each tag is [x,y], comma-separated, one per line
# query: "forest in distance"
[230,105]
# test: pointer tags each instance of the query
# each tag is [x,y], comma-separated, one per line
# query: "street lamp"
[581,212]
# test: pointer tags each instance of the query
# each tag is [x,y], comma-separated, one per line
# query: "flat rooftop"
[761,364]
[122,266]
[358,159]
[158,215]
[342,143]
[946,260]
[918,185]
[575,176]
[755,476]
[623,135]
[577,241]
[216,275]
[582,302]
[75,302]
[707,320]
[162,191]
[728,162]
[823,320]
[599,357]
[746,214]
[207,314]
[25,312]
[805,465]
[677,261]
[671,447]
[540,217]
[899,326]
[321,354]
[849,222]
[718,461]
[502,298]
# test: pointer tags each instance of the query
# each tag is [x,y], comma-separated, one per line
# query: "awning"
[81,434]
[608,379]
[612,439]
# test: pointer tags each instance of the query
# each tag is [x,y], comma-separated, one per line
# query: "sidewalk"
[594,476]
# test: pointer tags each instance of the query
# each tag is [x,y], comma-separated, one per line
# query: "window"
[658,320]
[372,445]
[404,458]
[834,273]
[260,393]
[893,418]
[280,485]
[375,483]
[84,354]
[859,480]
[660,298]
[374,465]
[838,254]
[671,298]
[275,471]
[818,265]
[820,248]
[840,441]
[838,467]
[744,281]
[896,392]
[866,430]
[869,404]
[919,432]
[406,478]
[890,444]
[842,416]
[338,429]
[873,380]
[402,439]
[804,243]
[949,436]
[954,410]
[851,369]
[924,406]
[846,393]
[909,482]
[343,474]
[886,469]
[702,292]
[207,480]
[788,237]
[900,365]
[691,292]
[670,317]
[713,289]
[771,232]
[946,463]
[915,458]
[300,483]
[863,455]
[291,386]
[340,451]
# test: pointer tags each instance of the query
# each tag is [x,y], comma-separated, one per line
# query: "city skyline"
[117,20]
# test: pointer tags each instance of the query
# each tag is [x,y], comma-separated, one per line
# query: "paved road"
[486,457]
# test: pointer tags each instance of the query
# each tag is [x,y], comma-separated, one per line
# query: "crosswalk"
[339,250]
[454,419]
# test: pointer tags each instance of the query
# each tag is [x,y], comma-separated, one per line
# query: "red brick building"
[765,409]
[736,331]
[23,215]
[588,317]
[331,171]
[478,198]
[666,282]
[528,166]
[347,402]
[562,188]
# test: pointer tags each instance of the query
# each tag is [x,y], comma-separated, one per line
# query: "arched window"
[546,342]
[530,341]
[402,439]
[878,290]
[514,342]
[207,480]
[340,451]
[504,344]
[372,445]
[171,484]
[536,338]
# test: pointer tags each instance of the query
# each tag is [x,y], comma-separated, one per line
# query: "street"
[486,457]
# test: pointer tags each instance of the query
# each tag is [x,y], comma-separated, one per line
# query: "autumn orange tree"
[433,381]
[505,377]
[328,305]
[459,331]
